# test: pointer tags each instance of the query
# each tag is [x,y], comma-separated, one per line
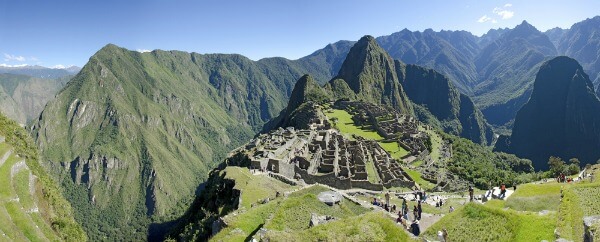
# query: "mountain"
[40,71]
[455,110]
[582,42]
[561,118]
[371,74]
[132,135]
[506,70]
[22,97]
[32,206]
[448,52]
[491,36]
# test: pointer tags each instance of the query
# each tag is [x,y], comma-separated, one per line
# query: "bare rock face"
[316,219]
[330,197]
[590,225]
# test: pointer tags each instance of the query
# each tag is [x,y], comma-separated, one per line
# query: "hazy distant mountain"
[561,118]
[40,71]
[449,52]
[582,42]
[22,97]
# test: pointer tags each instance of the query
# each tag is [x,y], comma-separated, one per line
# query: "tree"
[557,165]
[574,161]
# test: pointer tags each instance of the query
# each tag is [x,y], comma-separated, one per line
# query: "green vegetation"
[373,226]
[578,201]
[54,221]
[536,197]
[475,222]
[481,166]
[286,215]
[394,149]
[416,176]
[346,125]
[254,188]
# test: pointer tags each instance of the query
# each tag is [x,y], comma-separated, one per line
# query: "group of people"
[562,178]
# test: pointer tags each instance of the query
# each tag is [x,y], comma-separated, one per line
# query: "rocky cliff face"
[371,74]
[561,118]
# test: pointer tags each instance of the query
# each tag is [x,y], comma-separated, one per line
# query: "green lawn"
[535,197]
[254,188]
[475,222]
[373,226]
[372,175]
[286,215]
[436,142]
[346,126]
[416,176]
[394,149]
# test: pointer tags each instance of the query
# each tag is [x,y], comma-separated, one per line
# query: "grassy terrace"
[254,188]
[287,219]
[346,126]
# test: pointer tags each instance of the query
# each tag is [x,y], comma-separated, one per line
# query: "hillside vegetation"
[31,205]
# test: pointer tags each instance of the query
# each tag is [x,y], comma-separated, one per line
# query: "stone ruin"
[325,156]
[390,124]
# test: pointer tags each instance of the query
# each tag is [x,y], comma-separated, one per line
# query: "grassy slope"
[579,201]
[54,221]
[254,188]
[476,222]
[289,217]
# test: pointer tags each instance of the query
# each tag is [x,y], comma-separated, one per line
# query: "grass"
[475,222]
[535,197]
[285,214]
[345,125]
[578,201]
[254,188]
[373,226]
[394,149]
[372,175]
[436,142]
[416,176]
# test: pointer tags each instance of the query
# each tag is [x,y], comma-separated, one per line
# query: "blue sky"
[52,33]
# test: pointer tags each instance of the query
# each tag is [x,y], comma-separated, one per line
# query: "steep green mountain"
[300,110]
[582,42]
[371,74]
[133,134]
[561,118]
[22,98]
[437,93]
[31,206]
[40,71]
[491,36]
[507,68]
[448,52]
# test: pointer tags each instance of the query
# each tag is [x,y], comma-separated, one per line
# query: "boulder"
[330,197]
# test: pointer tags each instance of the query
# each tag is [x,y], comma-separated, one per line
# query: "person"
[387,198]
[375,202]
[414,228]
[420,209]
[502,190]
[424,196]
[406,214]
[445,233]
[451,209]
[470,193]
[415,212]
[404,205]
[393,208]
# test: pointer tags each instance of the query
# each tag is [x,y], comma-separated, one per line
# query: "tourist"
[424,196]
[451,209]
[375,202]
[404,205]
[420,209]
[393,208]
[414,228]
[415,212]
[406,214]
[502,191]
[470,193]
[387,197]
[445,233]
